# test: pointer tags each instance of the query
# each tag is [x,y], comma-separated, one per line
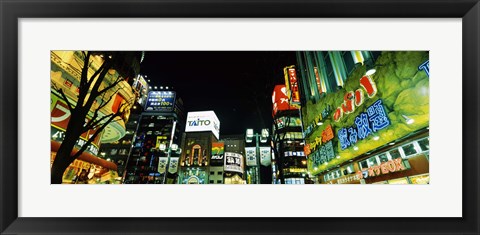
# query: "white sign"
[203,121]
[173,166]
[162,164]
[251,156]
[233,162]
[265,156]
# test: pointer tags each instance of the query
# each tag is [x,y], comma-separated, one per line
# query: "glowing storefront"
[372,125]
[66,67]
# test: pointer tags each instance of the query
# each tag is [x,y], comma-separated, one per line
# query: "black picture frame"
[11,11]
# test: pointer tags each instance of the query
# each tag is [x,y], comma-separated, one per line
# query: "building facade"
[201,131]
[234,164]
[366,116]
[65,73]
[288,139]
[154,156]
[118,151]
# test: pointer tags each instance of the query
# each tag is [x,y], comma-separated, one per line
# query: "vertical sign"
[251,156]
[292,75]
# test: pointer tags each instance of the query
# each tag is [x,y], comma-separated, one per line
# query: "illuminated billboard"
[233,162]
[203,121]
[280,99]
[160,101]
[217,154]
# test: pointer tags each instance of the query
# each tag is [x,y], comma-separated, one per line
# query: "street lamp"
[259,138]
[173,148]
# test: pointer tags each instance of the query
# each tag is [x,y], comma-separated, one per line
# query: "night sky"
[237,85]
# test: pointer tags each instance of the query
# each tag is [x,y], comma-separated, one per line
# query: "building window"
[349,169]
[348,61]
[219,181]
[395,154]
[329,70]
[409,149]
[424,144]
[219,173]
[383,157]
[211,181]
[363,164]
[212,172]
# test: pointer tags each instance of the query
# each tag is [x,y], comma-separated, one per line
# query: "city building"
[366,116]
[258,156]
[234,165]
[118,151]
[217,161]
[65,74]
[288,140]
[202,129]
[154,156]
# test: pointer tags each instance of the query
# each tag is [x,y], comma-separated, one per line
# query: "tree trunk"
[63,157]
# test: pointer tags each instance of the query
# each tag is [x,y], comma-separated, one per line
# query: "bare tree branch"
[95,113]
[94,91]
[103,104]
[64,97]
[99,70]
[84,75]
[104,125]
[117,81]
[93,123]
[92,138]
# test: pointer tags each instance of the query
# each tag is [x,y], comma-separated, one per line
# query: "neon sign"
[366,123]
[326,136]
[385,168]
[356,98]
[425,67]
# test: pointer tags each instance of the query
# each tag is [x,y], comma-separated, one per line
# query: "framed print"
[360,95]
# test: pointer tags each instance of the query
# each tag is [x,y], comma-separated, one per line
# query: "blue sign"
[425,67]
[366,123]
[325,153]
[163,101]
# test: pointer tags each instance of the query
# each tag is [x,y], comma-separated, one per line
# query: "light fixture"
[161,87]
[249,135]
[163,147]
[320,123]
[166,88]
[174,147]
[370,72]
[355,148]
[249,132]
[264,132]
[316,168]
[408,120]
[155,87]
[376,137]
[338,156]
[391,143]
[326,163]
